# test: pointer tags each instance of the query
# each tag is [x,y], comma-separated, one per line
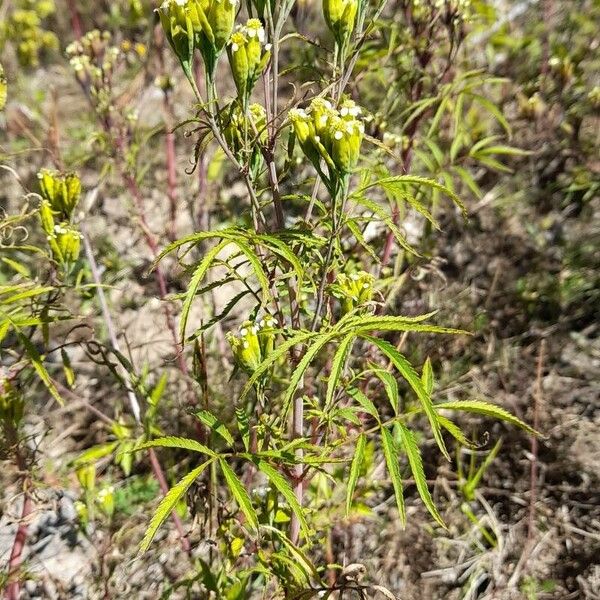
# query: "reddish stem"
[75,19]
[14,563]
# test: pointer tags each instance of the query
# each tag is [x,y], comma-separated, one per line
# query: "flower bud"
[67,243]
[177,23]
[46,217]
[62,191]
[346,140]
[340,16]
[304,130]
[246,56]
[246,348]
[353,290]
[266,335]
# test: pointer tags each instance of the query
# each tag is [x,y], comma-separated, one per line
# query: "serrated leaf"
[167,504]
[215,425]
[407,371]
[273,357]
[355,467]
[390,453]
[427,376]
[175,442]
[239,493]
[391,387]
[417,180]
[301,367]
[416,466]
[243,426]
[468,180]
[385,217]
[455,431]
[364,402]
[286,491]
[219,317]
[356,232]
[337,367]
[487,409]
[257,267]
[67,368]
[195,282]
[494,111]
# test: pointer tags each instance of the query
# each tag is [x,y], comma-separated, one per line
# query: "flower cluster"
[94,60]
[60,195]
[340,16]
[353,290]
[331,135]
[25,29]
[248,56]
[205,25]
[62,191]
[253,344]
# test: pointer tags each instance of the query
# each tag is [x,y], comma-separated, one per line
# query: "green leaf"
[286,491]
[390,453]
[365,403]
[427,376]
[195,282]
[487,409]
[337,367]
[38,365]
[273,357]
[175,442]
[494,111]
[215,425]
[226,310]
[468,180]
[416,466]
[239,493]
[416,180]
[455,431]
[357,233]
[385,217]
[300,369]
[355,467]
[243,425]
[167,504]
[67,368]
[391,387]
[407,371]
[257,267]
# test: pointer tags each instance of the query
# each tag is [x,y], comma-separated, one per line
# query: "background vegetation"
[332,355]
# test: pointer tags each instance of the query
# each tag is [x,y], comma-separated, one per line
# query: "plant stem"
[14,562]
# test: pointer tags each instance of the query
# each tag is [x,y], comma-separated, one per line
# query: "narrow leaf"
[411,376]
[481,407]
[416,466]
[168,503]
[390,453]
[337,367]
[283,487]
[355,467]
[239,493]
